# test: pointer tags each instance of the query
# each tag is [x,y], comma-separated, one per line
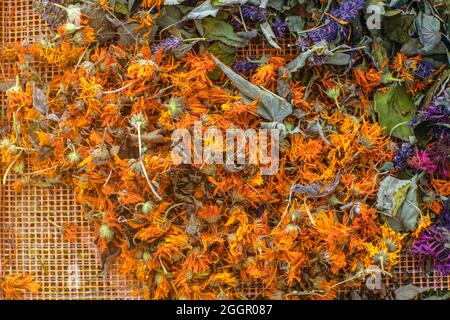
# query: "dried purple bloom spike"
[302,44]
[244,65]
[347,11]
[169,43]
[434,244]
[253,13]
[55,16]
[402,155]
[279,28]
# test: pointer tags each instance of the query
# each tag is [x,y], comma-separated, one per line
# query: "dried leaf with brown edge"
[272,107]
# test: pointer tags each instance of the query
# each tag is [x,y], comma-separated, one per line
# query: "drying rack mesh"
[31,220]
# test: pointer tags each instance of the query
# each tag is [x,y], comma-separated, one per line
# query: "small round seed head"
[147,207]
[391,245]
[381,256]
[138,120]
[106,232]
[147,256]
[74,157]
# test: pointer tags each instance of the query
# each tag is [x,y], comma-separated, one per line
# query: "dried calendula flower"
[16,286]
[210,214]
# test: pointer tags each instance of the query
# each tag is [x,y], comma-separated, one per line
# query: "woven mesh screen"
[32,220]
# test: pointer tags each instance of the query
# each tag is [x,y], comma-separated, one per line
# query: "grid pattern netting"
[31,220]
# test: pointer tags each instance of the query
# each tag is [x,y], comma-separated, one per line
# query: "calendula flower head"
[334,92]
[174,106]
[210,214]
[106,232]
[138,120]
[74,157]
[147,207]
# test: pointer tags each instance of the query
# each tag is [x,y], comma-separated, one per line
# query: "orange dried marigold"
[210,214]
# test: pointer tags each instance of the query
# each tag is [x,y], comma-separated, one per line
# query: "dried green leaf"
[270,36]
[398,200]
[218,30]
[395,110]
[272,107]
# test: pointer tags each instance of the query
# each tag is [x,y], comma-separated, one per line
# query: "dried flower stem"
[143,167]
[10,166]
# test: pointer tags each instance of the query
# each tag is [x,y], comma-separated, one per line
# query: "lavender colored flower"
[245,65]
[424,70]
[55,16]
[302,44]
[278,28]
[347,11]
[317,60]
[402,155]
[235,24]
[254,13]
[434,244]
[328,32]
[169,43]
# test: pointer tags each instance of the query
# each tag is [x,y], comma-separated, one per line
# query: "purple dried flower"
[328,32]
[254,13]
[347,11]
[433,160]
[434,244]
[422,161]
[244,65]
[55,16]
[235,24]
[444,217]
[424,70]
[317,60]
[169,43]
[302,44]
[439,153]
[279,28]
[402,155]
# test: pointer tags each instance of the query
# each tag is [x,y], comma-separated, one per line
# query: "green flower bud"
[106,232]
